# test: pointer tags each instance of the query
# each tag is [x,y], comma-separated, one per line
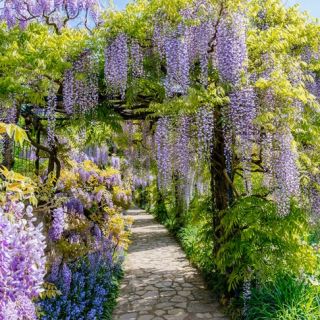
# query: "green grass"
[285,299]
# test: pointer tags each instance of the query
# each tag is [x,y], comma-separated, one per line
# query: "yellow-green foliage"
[116,225]
[258,244]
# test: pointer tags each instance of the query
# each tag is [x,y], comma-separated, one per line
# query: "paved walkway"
[159,282]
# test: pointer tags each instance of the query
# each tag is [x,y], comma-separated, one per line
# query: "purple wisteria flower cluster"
[205,127]
[231,49]
[51,116]
[177,63]
[80,85]
[232,56]
[136,57]
[286,171]
[116,65]
[182,147]
[98,154]
[164,152]
[57,12]
[22,262]
[57,225]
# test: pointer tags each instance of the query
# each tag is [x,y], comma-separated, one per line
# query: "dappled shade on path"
[159,282]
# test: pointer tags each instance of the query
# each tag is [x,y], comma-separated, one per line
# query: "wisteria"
[56,13]
[203,113]
[115,162]
[23,262]
[286,172]
[159,39]
[243,112]
[75,206]
[116,65]
[66,277]
[98,154]
[164,152]
[181,148]
[231,49]
[80,85]
[58,222]
[136,56]
[177,63]
[68,91]
[232,58]
[267,153]
[315,198]
[51,116]
[205,126]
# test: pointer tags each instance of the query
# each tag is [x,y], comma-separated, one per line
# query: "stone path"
[159,283]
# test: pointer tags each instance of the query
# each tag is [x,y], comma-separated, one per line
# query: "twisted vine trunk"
[8,153]
[219,184]
[11,116]
[179,200]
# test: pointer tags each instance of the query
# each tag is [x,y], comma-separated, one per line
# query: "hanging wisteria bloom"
[58,224]
[67,278]
[232,55]
[164,151]
[182,149]
[56,13]
[22,262]
[68,91]
[243,113]
[231,49]
[205,127]
[286,171]
[80,85]
[51,116]
[115,162]
[315,197]
[136,56]
[177,63]
[116,66]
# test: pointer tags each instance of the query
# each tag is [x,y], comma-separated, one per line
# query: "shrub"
[259,244]
[87,289]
